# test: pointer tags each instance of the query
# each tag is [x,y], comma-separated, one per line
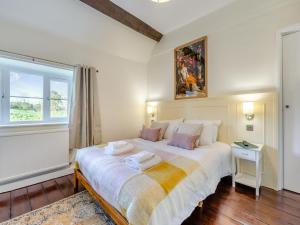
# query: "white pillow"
[209,132]
[192,129]
[215,130]
[173,126]
[189,128]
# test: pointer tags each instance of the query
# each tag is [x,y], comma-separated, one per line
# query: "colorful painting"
[191,70]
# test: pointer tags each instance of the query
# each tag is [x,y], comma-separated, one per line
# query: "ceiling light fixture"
[160,1]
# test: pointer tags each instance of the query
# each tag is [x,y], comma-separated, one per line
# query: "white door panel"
[291,101]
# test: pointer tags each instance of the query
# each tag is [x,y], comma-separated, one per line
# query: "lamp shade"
[150,109]
[248,107]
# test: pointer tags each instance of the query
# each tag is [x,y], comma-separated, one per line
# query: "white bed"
[215,161]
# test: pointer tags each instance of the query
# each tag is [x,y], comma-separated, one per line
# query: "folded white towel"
[111,149]
[144,165]
[118,144]
[140,157]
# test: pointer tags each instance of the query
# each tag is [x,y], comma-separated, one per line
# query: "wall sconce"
[150,110]
[248,110]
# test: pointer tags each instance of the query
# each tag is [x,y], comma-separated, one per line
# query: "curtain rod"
[35,59]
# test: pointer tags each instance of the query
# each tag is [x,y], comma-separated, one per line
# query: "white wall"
[242,48]
[119,53]
[243,57]
[31,152]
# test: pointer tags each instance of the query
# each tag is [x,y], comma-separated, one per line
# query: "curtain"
[84,121]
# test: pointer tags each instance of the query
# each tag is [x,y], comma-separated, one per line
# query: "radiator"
[31,153]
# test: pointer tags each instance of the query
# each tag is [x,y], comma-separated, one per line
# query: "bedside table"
[254,155]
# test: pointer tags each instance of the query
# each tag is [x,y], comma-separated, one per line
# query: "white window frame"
[47,77]
[60,79]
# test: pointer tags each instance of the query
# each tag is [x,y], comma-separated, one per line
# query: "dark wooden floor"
[227,206]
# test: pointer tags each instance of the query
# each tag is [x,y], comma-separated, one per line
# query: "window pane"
[58,90]
[58,99]
[25,109]
[59,108]
[26,85]
[26,97]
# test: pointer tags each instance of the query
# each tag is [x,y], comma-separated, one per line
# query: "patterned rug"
[79,209]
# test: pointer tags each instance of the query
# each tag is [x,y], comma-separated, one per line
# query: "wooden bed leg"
[76,182]
[200,205]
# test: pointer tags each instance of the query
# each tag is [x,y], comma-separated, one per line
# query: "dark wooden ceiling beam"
[114,11]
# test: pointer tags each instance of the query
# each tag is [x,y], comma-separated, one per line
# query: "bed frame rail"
[111,211]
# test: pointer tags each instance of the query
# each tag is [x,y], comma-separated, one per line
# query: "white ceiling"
[74,21]
[171,15]
[80,24]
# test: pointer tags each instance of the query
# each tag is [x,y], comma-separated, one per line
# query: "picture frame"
[190,70]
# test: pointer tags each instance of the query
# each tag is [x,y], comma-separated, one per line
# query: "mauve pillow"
[163,127]
[191,129]
[150,134]
[186,141]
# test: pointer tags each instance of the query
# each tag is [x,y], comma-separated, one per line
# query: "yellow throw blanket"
[166,174]
[140,195]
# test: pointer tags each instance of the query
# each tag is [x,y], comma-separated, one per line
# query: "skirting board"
[36,179]
[37,173]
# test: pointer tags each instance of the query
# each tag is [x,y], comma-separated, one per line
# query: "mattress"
[214,163]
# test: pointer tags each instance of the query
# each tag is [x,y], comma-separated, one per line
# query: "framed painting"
[191,69]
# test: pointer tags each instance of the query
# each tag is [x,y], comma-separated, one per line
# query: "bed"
[165,195]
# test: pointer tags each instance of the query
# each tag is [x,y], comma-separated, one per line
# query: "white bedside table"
[254,155]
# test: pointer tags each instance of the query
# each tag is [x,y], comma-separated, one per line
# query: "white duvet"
[215,161]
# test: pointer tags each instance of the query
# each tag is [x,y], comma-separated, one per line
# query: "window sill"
[32,125]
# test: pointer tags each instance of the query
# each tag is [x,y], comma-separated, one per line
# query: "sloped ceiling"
[77,22]
[171,15]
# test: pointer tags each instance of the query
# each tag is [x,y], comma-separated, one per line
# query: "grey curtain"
[84,121]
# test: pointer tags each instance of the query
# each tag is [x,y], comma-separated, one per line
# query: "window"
[33,93]
[58,99]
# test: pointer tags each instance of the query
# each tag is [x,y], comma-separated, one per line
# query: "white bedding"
[215,161]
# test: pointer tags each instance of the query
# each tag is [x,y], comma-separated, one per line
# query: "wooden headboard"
[208,109]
